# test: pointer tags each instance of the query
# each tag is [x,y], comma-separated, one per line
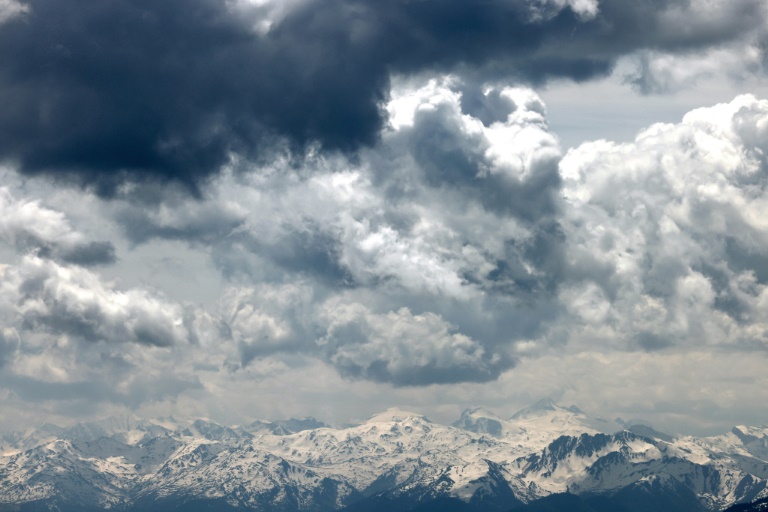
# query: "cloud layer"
[378,199]
[134,90]
[677,219]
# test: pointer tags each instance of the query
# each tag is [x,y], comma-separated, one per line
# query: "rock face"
[756,506]
[545,457]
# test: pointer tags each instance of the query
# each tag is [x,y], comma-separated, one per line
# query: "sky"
[242,209]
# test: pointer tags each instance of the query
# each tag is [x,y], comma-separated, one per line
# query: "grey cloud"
[448,156]
[9,344]
[649,341]
[661,73]
[662,273]
[491,107]
[75,344]
[727,300]
[132,91]
[89,254]
[395,346]
[29,226]
[84,395]
[507,167]
[485,271]
[747,258]
[307,249]
[441,285]
[38,390]
[245,241]
[75,302]
[270,319]
[405,349]
[179,219]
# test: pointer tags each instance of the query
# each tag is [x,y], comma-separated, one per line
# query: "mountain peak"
[399,459]
[395,415]
[547,415]
[542,406]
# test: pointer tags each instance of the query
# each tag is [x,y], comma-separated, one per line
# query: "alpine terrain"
[545,457]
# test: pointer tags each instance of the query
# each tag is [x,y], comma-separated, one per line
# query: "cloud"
[177,219]
[397,347]
[269,319]
[449,217]
[444,206]
[135,91]
[584,9]
[450,226]
[10,9]
[462,249]
[405,349]
[9,344]
[89,394]
[72,343]
[73,301]
[472,238]
[29,226]
[483,197]
[676,219]
[659,73]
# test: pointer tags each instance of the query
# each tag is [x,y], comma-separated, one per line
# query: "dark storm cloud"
[134,89]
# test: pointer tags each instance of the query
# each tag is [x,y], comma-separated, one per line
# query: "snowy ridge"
[396,459]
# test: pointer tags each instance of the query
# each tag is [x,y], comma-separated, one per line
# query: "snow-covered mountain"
[533,428]
[396,460]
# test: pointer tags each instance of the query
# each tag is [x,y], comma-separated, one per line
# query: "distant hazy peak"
[746,434]
[481,421]
[480,412]
[286,427]
[395,415]
[542,406]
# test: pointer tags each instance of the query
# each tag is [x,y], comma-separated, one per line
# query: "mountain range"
[545,457]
